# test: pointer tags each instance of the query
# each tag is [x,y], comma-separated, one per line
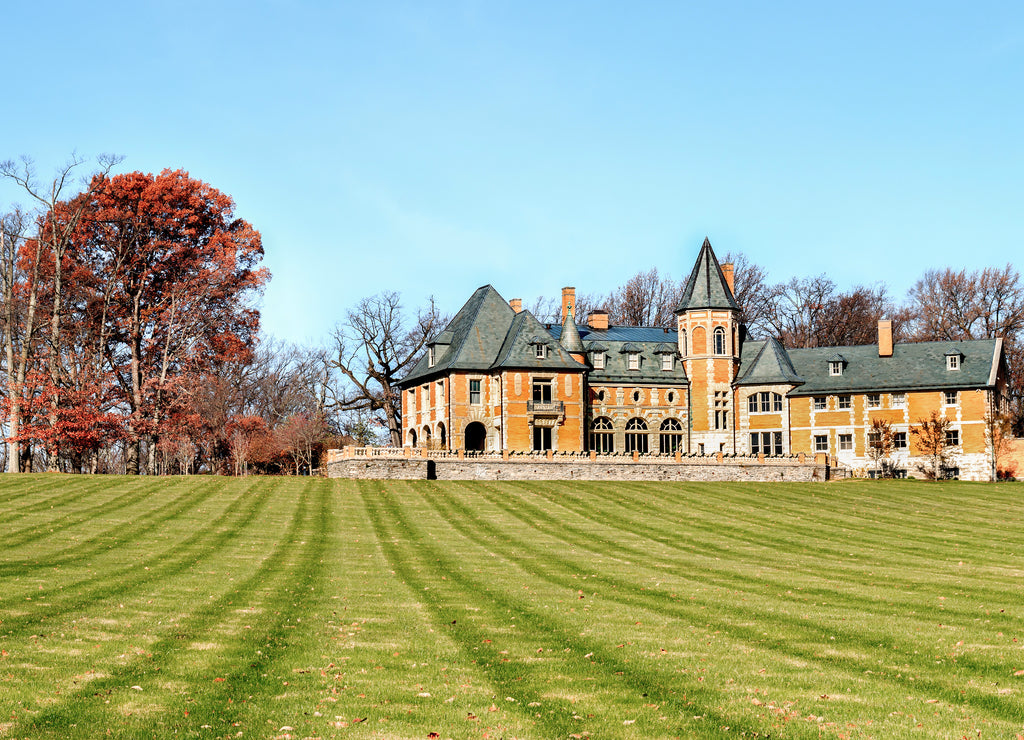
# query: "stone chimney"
[568,299]
[598,320]
[727,271]
[884,338]
[516,304]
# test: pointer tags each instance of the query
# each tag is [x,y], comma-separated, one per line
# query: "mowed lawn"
[283,607]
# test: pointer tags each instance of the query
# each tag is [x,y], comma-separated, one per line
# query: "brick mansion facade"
[498,379]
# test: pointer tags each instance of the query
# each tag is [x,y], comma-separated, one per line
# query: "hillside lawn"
[282,607]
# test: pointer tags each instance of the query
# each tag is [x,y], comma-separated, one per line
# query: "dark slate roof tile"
[706,286]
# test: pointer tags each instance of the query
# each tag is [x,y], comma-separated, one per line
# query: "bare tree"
[880,446]
[646,299]
[374,348]
[931,436]
[752,292]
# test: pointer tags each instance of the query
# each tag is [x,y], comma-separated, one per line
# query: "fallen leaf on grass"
[219,680]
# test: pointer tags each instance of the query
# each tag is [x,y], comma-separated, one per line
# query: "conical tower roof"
[570,337]
[706,287]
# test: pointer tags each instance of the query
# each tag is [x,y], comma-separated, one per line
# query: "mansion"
[498,379]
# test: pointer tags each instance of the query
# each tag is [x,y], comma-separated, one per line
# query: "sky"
[433,147]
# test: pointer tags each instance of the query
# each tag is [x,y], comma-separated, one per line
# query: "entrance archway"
[442,440]
[476,437]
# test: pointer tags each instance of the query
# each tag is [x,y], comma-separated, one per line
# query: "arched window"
[426,437]
[719,341]
[602,437]
[671,437]
[412,437]
[682,342]
[441,439]
[636,436]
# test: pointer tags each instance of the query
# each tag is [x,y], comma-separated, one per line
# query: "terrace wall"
[349,464]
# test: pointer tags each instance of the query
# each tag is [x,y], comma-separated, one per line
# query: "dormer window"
[835,364]
[430,356]
[952,362]
[634,360]
[598,359]
[666,362]
[541,351]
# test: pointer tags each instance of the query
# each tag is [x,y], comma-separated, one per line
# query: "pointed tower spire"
[707,286]
[570,338]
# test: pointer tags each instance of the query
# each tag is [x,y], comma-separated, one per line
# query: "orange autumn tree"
[174,278]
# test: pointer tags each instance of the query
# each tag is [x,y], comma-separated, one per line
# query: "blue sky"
[433,147]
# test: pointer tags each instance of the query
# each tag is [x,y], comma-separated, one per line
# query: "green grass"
[276,607]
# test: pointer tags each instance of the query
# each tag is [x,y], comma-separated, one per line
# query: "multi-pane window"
[874,400]
[599,360]
[767,443]
[636,436]
[899,440]
[634,360]
[835,367]
[952,437]
[721,410]
[764,402]
[845,442]
[952,362]
[821,443]
[898,400]
[430,355]
[541,351]
[541,439]
[666,362]
[719,341]
[682,341]
[671,438]
[845,402]
[820,403]
[949,397]
[542,391]
[474,392]
[602,437]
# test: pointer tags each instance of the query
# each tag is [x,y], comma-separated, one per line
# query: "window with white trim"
[874,400]
[821,443]
[952,362]
[430,356]
[766,443]
[899,440]
[719,341]
[952,437]
[845,442]
[634,360]
[721,410]
[845,402]
[820,403]
[666,362]
[949,398]
[474,393]
[897,400]
[598,359]
[835,367]
[542,352]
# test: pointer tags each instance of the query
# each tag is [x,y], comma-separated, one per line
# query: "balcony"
[546,408]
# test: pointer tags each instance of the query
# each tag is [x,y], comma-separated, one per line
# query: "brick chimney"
[727,271]
[884,338]
[516,304]
[598,320]
[568,299]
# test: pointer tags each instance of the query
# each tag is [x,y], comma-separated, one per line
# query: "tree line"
[129,316]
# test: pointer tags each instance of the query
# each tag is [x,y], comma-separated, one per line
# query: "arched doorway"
[476,437]
[426,437]
[442,440]
[412,437]
[636,436]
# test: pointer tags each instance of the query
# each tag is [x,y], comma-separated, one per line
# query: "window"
[844,402]
[599,360]
[721,410]
[671,397]
[821,443]
[776,402]
[845,441]
[474,392]
[719,341]
[949,398]
[636,396]
[602,437]
[898,400]
[874,400]
[820,403]
[634,360]
[430,355]
[541,351]
[899,440]
[542,391]
[766,443]
[952,362]
[600,396]
[752,405]
[952,437]
[541,439]
[636,436]
[666,362]
[835,367]
[671,438]
[682,341]
[764,402]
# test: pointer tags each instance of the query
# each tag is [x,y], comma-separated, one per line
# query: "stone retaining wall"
[581,469]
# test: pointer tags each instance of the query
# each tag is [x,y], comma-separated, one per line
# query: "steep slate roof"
[706,286]
[570,335]
[519,348]
[474,337]
[913,366]
[617,341]
[765,362]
